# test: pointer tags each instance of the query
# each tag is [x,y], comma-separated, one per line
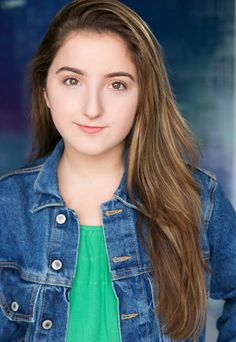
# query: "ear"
[45,95]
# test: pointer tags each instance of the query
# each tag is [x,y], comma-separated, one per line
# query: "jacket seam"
[211,206]
[38,280]
[22,171]
[129,275]
[130,205]
[134,237]
[42,308]
[208,173]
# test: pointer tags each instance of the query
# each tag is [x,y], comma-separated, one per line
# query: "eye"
[119,85]
[70,81]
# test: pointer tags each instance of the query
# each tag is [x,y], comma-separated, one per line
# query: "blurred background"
[198,39]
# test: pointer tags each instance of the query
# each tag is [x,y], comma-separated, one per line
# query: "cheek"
[130,110]
[126,118]
[56,110]
[59,113]
[126,105]
[61,106]
[58,98]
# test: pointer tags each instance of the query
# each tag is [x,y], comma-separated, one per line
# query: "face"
[92,92]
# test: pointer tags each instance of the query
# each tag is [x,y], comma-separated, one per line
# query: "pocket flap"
[17,296]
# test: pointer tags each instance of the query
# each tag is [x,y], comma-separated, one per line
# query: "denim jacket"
[39,242]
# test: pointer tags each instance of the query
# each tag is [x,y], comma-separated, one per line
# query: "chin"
[93,151]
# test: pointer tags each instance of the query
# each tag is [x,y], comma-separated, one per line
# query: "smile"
[91,129]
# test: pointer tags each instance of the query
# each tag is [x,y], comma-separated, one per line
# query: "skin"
[82,89]
[92,99]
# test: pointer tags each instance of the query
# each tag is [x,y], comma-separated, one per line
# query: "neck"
[92,168]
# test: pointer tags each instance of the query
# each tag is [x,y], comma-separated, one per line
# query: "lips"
[91,129]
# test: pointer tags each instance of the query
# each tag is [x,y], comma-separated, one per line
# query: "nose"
[92,107]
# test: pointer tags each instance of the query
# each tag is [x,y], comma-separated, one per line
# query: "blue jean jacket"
[39,241]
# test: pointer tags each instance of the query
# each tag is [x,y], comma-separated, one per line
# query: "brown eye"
[70,81]
[118,86]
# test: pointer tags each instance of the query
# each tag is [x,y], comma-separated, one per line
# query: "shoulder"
[210,187]
[13,180]
[216,207]
[203,176]
[207,182]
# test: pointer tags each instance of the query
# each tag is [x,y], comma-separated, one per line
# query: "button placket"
[57,264]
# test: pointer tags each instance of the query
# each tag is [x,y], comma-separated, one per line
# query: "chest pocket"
[17,302]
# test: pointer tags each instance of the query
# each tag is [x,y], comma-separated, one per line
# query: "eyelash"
[119,82]
[67,81]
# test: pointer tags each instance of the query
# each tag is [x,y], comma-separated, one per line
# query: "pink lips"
[90,129]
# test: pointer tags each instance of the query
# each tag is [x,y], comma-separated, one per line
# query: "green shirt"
[93,304]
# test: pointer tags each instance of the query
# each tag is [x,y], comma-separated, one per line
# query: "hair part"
[161,150]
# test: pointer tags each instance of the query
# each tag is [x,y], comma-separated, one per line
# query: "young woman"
[111,233]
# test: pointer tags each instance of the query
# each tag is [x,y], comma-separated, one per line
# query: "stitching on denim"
[15,266]
[15,315]
[42,307]
[210,209]
[46,205]
[130,205]
[34,298]
[134,237]
[7,310]
[29,328]
[67,316]
[207,173]
[44,280]
[152,292]
[118,310]
[212,199]
[3,303]
[22,171]
[49,279]
[155,320]
[52,242]
[131,272]
[38,178]
[144,293]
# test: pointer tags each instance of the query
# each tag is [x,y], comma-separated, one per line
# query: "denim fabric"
[39,241]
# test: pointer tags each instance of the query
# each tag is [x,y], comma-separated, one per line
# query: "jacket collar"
[47,181]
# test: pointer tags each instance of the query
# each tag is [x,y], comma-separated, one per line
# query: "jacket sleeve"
[222,240]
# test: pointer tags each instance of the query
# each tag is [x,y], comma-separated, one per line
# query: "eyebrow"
[80,72]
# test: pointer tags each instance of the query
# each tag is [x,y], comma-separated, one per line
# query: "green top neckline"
[88,227]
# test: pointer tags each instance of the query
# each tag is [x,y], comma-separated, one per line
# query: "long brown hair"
[161,150]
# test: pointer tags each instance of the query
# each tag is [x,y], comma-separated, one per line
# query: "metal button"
[47,324]
[61,219]
[14,306]
[56,265]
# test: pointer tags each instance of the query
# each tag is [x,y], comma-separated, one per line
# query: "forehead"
[93,48]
